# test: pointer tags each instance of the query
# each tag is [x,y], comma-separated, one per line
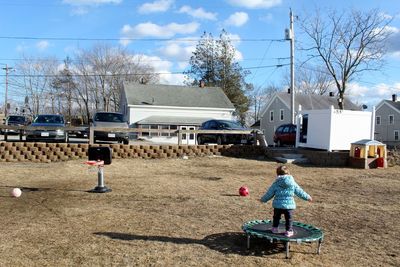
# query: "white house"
[172,107]
[333,129]
[277,111]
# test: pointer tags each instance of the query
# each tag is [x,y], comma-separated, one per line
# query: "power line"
[129,74]
[139,61]
[134,39]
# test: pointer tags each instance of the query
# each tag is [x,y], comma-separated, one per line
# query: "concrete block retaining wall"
[53,152]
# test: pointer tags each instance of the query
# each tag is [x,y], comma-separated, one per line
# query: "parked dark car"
[56,133]
[110,120]
[223,138]
[15,120]
[285,135]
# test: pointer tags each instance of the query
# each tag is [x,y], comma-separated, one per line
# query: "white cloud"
[267,17]
[393,44]
[150,29]
[163,68]
[198,13]
[237,19]
[80,7]
[21,48]
[253,4]
[90,2]
[371,95]
[156,6]
[179,51]
[42,45]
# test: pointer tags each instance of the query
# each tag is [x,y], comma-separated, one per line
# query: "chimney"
[202,84]
[394,97]
[331,94]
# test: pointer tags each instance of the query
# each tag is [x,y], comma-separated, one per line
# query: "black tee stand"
[100,156]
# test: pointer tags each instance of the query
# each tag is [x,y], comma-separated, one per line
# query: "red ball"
[243,191]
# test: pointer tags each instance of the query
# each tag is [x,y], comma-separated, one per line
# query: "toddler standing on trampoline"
[283,190]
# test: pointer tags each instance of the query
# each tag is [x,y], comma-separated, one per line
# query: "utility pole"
[291,36]
[6,68]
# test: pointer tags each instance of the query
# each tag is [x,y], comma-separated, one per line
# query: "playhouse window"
[281,114]
[396,135]
[271,115]
[391,119]
[378,120]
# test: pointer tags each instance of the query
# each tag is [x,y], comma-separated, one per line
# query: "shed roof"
[176,96]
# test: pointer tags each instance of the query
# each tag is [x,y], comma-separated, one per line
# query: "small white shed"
[333,129]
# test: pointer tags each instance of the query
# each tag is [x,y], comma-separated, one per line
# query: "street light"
[6,68]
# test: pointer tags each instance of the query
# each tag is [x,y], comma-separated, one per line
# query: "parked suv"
[15,120]
[110,120]
[223,138]
[285,135]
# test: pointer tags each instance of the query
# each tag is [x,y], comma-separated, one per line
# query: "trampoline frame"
[316,235]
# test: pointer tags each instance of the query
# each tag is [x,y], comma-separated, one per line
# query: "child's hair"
[282,170]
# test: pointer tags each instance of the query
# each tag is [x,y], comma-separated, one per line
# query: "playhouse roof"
[367,142]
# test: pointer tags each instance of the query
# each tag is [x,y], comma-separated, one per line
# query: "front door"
[188,138]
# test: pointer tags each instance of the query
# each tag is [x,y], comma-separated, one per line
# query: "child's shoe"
[289,233]
[275,230]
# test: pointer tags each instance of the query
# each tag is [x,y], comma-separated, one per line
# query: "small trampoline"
[302,233]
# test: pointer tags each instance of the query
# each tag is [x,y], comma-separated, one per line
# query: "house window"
[154,127]
[391,119]
[281,114]
[173,127]
[145,126]
[271,115]
[164,127]
[396,135]
[378,120]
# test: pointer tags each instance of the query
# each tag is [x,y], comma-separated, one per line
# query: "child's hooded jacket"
[283,189]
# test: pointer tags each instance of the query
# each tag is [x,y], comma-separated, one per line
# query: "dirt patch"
[175,212]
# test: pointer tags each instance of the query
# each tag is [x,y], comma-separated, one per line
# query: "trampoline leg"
[248,241]
[319,247]
[287,245]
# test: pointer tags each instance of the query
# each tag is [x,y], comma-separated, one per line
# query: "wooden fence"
[21,129]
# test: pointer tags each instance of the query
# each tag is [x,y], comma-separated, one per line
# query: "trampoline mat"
[262,228]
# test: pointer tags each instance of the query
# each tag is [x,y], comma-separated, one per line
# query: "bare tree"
[311,79]
[102,70]
[34,77]
[347,43]
[258,98]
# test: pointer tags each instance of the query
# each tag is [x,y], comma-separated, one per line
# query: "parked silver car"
[52,129]
[110,120]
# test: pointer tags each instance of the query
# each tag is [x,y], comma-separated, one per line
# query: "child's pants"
[288,218]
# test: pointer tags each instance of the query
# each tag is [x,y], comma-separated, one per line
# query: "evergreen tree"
[214,62]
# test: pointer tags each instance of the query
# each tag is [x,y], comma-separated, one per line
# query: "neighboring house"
[387,122]
[277,111]
[256,125]
[172,107]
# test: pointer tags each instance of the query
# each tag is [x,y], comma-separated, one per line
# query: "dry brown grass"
[176,212]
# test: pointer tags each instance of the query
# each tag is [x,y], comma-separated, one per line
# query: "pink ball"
[16,192]
[243,191]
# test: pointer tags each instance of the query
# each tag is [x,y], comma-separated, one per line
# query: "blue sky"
[59,27]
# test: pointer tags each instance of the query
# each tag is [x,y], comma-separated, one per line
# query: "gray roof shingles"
[176,96]
[313,101]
